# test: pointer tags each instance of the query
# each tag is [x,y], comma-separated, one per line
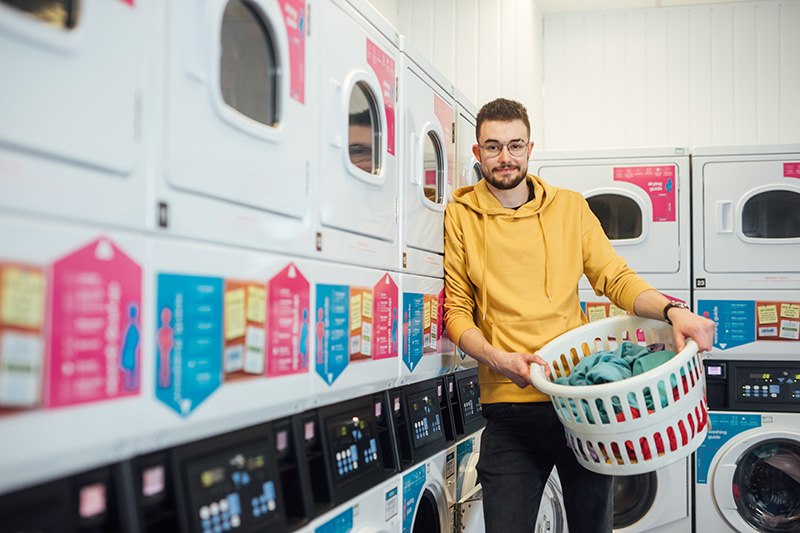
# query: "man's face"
[503,170]
[360,146]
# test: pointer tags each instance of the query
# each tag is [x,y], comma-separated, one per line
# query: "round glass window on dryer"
[767,215]
[429,166]
[61,14]
[252,77]
[633,498]
[361,129]
[624,216]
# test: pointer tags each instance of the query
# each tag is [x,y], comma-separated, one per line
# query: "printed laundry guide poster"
[413,329]
[430,324]
[289,319]
[95,332]
[22,310]
[332,329]
[659,183]
[777,321]
[360,323]
[189,336]
[245,317]
[385,318]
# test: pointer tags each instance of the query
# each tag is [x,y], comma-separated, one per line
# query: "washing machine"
[71,347]
[71,141]
[426,494]
[659,501]
[229,340]
[233,156]
[355,325]
[641,198]
[377,510]
[425,352]
[427,163]
[356,215]
[747,476]
[746,205]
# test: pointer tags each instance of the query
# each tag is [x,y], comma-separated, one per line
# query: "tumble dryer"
[641,197]
[229,343]
[427,162]
[747,476]
[72,336]
[71,139]
[425,352]
[356,216]
[746,203]
[233,153]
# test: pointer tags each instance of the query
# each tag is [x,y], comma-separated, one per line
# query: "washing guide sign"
[740,322]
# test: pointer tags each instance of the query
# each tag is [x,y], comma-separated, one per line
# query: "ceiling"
[556,6]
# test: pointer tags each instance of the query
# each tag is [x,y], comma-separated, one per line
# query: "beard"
[508,181]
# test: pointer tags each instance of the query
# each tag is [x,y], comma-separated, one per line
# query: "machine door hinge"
[163,215]
[319,241]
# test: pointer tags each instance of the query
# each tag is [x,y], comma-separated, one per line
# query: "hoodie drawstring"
[547,279]
[485,217]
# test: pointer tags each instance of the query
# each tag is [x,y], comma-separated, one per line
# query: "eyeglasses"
[516,148]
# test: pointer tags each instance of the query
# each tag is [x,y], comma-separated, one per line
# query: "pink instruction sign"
[294,17]
[288,323]
[95,326]
[791,170]
[384,322]
[658,182]
[444,112]
[383,66]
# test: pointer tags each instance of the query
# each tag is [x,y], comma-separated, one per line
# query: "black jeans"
[519,447]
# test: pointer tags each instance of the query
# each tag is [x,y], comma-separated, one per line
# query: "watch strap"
[670,305]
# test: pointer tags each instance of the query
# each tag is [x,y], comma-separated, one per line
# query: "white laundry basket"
[610,427]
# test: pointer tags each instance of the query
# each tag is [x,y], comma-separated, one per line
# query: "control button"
[205,513]
[236,521]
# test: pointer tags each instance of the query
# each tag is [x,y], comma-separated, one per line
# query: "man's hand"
[516,366]
[687,324]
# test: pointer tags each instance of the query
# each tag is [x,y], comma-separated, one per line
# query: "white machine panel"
[236,151]
[428,160]
[658,501]
[428,492]
[746,202]
[71,133]
[468,169]
[71,337]
[231,340]
[641,197]
[377,510]
[426,351]
[752,325]
[358,150]
[356,332]
[599,307]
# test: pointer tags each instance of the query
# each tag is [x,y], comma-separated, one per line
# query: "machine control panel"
[470,398]
[232,490]
[354,445]
[768,384]
[424,417]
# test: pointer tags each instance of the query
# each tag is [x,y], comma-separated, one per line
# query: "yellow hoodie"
[514,274]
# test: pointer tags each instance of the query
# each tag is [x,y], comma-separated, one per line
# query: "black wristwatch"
[679,305]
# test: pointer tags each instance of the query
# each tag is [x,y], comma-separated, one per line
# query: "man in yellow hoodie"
[515,250]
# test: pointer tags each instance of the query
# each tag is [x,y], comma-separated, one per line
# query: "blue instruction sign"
[189,323]
[413,328]
[735,320]
[412,488]
[723,427]
[463,454]
[342,523]
[333,330]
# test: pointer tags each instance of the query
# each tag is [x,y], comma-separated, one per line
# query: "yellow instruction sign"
[22,294]
[355,311]
[767,314]
[789,310]
[366,306]
[235,322]
[596,313]
[256,303]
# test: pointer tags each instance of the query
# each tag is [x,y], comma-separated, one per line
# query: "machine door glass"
[637,205]
[751,217]
[236,122]
[766,486]
[364,130]
[433,162]
[620,216]
[248,67]
[633,498]
[59,13]
[772,215]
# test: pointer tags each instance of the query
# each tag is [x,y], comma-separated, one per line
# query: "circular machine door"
[633,498]
[757,485]
[428,518]
[552,517]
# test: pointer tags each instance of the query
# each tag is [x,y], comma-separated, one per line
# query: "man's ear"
[476,150]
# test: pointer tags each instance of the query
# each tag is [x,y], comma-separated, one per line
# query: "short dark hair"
[502,110]
[361,118]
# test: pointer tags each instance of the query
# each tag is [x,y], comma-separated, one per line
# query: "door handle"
[724,216]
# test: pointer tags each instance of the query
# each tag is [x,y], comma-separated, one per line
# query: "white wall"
[487,48]
[699,75]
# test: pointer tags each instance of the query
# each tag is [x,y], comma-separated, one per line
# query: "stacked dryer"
[641,197]
[746,202]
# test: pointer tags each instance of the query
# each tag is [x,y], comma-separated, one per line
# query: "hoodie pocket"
[527,336]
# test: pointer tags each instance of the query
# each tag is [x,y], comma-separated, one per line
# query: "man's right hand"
[516,366]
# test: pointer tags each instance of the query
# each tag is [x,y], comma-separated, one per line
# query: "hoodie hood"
[480,199]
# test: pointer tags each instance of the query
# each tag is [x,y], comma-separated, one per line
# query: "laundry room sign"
[658,182]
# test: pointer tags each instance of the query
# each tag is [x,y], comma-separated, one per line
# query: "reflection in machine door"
[747,476]
[358,190]
[239,83]
[73,86]
[746,202]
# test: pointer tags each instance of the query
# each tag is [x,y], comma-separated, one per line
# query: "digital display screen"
[425,418]
[714,370]
[353,447]
[469,399]
[153,481]
[92,500]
